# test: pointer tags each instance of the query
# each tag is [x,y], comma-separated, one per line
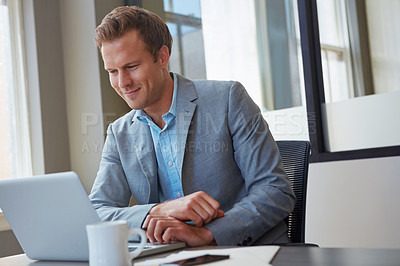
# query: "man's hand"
[164,229]
[198,207]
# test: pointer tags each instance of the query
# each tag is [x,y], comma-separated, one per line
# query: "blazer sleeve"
[110,194]
[269,197]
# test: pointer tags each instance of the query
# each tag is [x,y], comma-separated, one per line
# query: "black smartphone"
[197,260]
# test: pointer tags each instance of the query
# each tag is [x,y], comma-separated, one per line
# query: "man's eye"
[112,71]
[132,67]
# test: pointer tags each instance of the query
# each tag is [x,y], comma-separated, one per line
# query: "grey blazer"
[224,149]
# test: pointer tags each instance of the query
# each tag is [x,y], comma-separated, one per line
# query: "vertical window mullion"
[313,81]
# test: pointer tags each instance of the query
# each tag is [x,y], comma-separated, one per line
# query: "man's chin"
[131,104]
[134,106]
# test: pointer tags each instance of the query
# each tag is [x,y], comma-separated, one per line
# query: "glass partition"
[361,65]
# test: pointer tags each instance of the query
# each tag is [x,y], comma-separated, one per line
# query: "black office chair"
[295,154]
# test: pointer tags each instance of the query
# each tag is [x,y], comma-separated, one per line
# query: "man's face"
[133,73]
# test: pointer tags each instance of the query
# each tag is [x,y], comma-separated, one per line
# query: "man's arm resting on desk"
[166,221]
[198,207]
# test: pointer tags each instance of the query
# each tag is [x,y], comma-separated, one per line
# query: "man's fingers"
[210,200]
[150,228]
[146,223]
[158,226]
[205,211]
[167,236]
[196,219]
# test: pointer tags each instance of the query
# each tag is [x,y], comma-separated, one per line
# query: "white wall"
[46,90]
[363,122]
[83,91]
[354,203]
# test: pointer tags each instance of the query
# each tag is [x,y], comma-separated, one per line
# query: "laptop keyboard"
[145,247]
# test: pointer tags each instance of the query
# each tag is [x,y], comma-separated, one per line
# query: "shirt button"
[179,194]
[170,163]
[163,133]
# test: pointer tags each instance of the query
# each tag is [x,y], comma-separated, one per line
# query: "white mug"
[108,243]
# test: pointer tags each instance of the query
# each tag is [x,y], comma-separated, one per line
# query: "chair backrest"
[295,156]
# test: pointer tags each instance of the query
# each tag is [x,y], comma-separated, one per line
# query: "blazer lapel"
[185,109]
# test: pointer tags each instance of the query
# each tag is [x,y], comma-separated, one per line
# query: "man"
[196,156]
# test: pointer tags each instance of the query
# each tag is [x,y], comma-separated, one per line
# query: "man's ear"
[163,56]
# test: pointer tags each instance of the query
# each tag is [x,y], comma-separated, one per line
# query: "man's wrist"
[210,237]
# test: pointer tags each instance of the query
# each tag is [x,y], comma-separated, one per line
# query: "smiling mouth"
[132,92]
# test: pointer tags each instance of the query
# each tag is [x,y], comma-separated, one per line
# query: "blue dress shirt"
[165,144]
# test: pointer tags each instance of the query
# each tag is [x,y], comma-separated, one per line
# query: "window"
[358,47]
[15,159]
[366,63]
[185,24]
[335,49]
[355,119]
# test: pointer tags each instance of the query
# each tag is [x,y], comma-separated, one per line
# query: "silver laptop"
[48,215]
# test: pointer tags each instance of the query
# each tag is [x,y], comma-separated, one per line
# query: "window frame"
[314,89]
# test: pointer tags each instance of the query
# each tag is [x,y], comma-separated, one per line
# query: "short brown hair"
[151,29]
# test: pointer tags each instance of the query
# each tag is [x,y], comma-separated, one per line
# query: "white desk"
[239,256]
[23,260]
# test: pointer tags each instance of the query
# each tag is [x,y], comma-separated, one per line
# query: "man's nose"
[125,81]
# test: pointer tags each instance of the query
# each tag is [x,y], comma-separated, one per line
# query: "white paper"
[258,255]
